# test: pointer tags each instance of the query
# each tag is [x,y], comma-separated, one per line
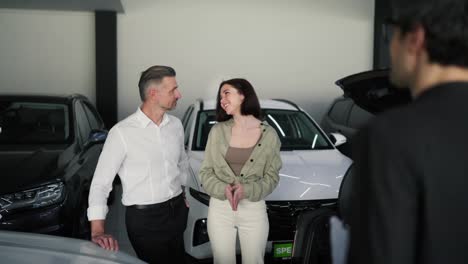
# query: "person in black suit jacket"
[410,191]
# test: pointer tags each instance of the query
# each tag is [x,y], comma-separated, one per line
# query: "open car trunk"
[372,91]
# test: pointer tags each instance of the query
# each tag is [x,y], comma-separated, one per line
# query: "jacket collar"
[228,124]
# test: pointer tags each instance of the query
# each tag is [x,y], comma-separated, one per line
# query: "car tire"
[312,241]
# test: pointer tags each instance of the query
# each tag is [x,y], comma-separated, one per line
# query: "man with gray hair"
[146,150]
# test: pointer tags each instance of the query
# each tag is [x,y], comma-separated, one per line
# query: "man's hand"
[99,237]
[105,241]
[238,194]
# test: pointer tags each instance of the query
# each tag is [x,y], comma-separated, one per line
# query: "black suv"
[365,95]
[49,147]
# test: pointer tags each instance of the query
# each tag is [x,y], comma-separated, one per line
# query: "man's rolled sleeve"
[97,212]
[110,161]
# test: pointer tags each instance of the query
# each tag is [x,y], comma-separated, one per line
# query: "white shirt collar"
[145,120]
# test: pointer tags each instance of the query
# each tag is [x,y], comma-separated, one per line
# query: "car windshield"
[23,122]
[295,129]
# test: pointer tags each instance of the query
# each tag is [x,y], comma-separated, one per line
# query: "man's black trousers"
[156,231]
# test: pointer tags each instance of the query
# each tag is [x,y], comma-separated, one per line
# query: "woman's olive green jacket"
[260,174]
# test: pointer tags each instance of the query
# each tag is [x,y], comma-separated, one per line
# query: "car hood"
[17,247]
[372,91]
[21,169]
[305,175]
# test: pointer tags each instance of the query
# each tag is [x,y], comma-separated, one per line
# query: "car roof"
[264,103]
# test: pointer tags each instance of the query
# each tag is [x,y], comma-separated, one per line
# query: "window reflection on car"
[34,123]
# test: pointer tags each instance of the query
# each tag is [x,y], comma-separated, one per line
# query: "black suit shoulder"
[434,114]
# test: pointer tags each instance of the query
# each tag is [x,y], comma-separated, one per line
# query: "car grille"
[282,216]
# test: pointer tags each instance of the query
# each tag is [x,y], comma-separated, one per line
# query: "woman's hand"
[229,193]
[238,194]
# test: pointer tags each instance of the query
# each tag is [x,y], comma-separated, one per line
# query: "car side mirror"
[337,139]
[96,136]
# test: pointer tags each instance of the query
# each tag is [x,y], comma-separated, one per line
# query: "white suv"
[309,179]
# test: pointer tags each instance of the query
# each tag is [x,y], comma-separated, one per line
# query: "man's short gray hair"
[153,75]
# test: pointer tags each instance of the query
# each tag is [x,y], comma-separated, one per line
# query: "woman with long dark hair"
[241,167]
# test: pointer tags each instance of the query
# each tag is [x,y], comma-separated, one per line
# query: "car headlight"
[33,198]
[201,197]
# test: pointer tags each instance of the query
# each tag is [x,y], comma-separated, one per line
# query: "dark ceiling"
[66,5]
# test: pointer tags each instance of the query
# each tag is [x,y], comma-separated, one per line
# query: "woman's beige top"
[237,157]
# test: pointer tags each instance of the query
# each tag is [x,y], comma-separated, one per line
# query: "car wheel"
[320,247]
[312,240]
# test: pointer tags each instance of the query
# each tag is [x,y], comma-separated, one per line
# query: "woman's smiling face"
[231,99]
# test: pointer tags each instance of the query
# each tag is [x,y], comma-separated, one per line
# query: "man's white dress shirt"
[149,159]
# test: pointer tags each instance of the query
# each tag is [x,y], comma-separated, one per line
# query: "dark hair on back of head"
[445,23]
[250,105]
[153,74]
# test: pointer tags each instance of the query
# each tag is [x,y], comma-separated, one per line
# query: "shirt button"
[259,145]
[264,130]
[251,160]
[242,175]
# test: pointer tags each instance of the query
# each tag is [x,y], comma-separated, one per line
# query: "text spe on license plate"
[282,250]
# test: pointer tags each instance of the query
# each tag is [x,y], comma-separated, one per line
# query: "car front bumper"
[282,216]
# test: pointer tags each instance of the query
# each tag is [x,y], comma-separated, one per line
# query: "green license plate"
[282,250]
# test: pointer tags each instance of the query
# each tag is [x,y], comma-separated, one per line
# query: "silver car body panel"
[26,248]
[305,175]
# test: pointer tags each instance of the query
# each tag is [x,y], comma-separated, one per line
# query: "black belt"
[156,205]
